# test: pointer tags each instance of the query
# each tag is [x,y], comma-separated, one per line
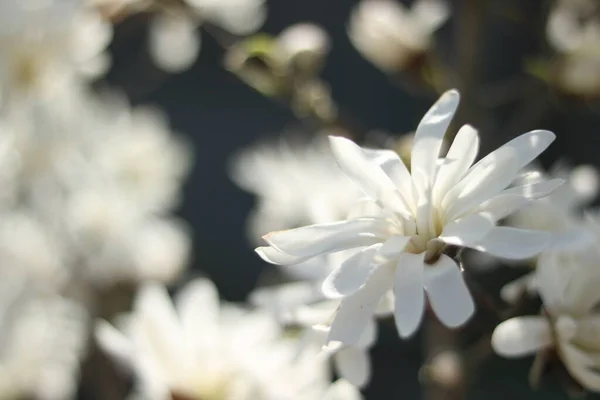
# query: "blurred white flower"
[90,184]
[409,218]
[142,157]
[42,340]
[568,285]
[200,349]
[574,32]
[560,213]
[302,304]
[46,46]
[303,46]
[296,184]
[174,41]
[390,35]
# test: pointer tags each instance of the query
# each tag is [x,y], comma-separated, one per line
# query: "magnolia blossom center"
[425,240]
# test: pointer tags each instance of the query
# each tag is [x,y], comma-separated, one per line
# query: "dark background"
[220,114]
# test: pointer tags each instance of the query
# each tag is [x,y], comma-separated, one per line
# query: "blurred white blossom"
[390,35]
[568,285]
[195,347]
[296,184]
[46,46]
[409,218]
[90,188]
[560,213]
[174,41]
[573,30]
[42,340]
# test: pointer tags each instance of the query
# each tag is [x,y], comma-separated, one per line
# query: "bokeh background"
[221,115]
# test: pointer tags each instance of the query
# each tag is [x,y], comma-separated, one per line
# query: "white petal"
[342,390]
[198,306]
[529,145]
[535,190]
[367,174]
[365,207]
[580,366]
[513,243]
[511,291]
[409,294]
[447,292]
[160,330]
[393,247]
[114,343]
[467,230]
[521,336]
[392,165]
[174,42]
[483,181]
[274,256]
[430,133]
[503,205]
[357,310]
[353,365]
[312,240]
[352,274]
[369,336]
[461,155]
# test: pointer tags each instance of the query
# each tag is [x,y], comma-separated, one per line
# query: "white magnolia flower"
[296,184]
[174,41]
[389,35]
[45,46]
[574,32]
[200,349]
[568,285]
[409,218]
[42,340]
[559,213]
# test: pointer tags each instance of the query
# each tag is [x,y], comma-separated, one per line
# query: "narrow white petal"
[367,174]
[521,336]
[357,310]
[511,291]
[393,247]
[369,336]
[513,243]
[353,364]
[430,133]
[352,274]
[312,240]
[274,256]
[467,230]
[503,205]
[114,343]
[198,307]
[447,292]
[581,366]
[409,294]
[483,181]
[392,165]
[461,155]
[535,190]
[529,145]
[365,207]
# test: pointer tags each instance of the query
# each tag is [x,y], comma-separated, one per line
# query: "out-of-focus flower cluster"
[90,244]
